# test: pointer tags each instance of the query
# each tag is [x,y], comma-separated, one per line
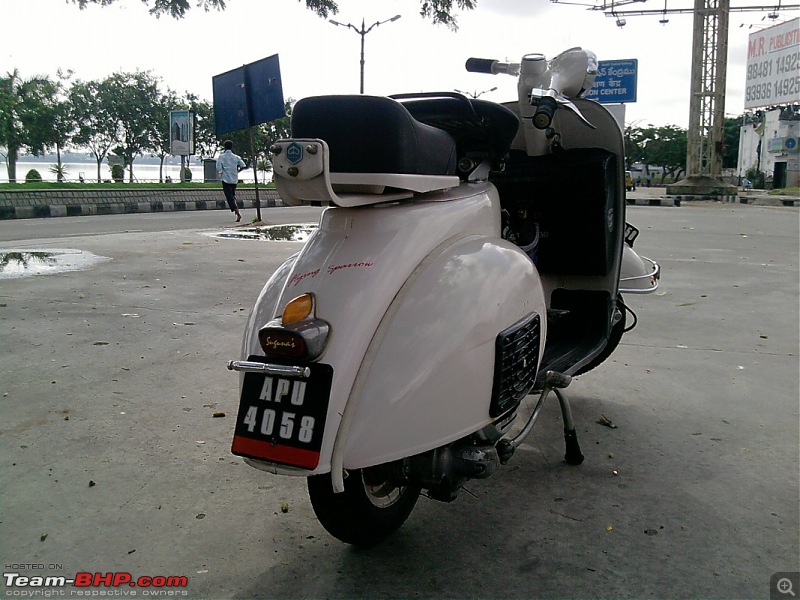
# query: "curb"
[653,201]
[752,200]
[769,201]
[78,210]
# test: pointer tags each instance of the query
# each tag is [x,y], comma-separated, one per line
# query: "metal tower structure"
[708,79]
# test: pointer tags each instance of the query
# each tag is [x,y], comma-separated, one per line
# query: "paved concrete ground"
[112,458]
[657,196]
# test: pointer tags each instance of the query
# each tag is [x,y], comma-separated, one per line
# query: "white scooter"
[472,254]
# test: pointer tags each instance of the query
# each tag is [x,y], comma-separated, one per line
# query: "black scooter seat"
[374,134]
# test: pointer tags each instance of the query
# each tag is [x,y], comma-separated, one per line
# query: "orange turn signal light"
[298,309]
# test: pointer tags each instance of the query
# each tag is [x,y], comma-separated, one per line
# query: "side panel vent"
[516,363]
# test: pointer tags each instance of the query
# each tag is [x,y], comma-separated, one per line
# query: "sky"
[407,55]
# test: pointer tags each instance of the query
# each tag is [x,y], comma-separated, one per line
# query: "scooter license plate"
[281,419]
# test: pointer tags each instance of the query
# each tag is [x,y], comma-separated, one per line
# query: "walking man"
[228,167]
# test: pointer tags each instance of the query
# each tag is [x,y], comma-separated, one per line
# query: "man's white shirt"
[228,165]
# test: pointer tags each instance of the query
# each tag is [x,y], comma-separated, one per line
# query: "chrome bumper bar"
[248,366]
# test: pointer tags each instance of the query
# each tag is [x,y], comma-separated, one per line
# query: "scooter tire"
[617,331]
[371,508]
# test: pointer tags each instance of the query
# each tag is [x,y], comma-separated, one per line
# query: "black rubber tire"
[613,340]
[370,509]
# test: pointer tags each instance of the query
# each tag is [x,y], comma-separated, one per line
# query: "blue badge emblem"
[294,153]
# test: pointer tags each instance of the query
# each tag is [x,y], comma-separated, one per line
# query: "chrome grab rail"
[653,278]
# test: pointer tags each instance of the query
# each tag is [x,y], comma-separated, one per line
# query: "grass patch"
[51,186]
[792,191]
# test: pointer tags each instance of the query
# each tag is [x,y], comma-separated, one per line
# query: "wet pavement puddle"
[270,233]
[16,263]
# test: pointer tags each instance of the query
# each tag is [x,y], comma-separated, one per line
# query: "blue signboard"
[248,96]
[615,82]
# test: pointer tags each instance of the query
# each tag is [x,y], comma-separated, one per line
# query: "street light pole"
[363,33]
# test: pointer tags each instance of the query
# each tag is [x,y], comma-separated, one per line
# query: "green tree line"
[126,115]
[666,147]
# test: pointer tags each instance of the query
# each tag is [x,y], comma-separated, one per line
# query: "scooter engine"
[442,471]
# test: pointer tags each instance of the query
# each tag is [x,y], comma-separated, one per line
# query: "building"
[768,145]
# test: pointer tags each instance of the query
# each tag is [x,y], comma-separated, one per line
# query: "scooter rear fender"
[358,266]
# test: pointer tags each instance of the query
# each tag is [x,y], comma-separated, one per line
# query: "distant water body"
[142,173]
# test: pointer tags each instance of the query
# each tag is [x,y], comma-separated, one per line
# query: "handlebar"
[480,65]
[547,85]
[544,112]
[491,66]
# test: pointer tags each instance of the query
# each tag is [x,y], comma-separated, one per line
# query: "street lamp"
[476,94]
[363,32]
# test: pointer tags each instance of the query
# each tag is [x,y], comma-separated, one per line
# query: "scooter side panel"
[431,368]
[356,264]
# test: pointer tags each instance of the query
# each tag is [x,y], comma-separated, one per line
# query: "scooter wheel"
[370,509]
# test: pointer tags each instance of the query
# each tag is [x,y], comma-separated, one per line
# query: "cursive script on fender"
[333,268]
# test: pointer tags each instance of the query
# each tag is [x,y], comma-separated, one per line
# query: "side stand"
[553,382]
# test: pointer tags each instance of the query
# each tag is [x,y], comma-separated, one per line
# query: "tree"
[92,112]
[438,11]
[272,132]
[63,125]
[634,149]
[132,99]
[161,140]
[26,116]
[665,147]
[264,136]
[205,142]
[730,144]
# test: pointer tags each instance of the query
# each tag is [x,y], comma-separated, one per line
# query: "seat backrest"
[373,134]
[478,126]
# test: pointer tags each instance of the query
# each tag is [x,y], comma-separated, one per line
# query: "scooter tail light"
[297,334]
[279,342]
[298,309]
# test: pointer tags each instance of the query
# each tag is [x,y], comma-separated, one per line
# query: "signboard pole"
[246,97]
[255,172]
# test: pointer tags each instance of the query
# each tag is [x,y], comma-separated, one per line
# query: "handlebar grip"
[480,65]
[545,110]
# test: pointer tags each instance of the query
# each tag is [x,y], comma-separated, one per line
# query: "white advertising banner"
[181,133]
[773,66]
